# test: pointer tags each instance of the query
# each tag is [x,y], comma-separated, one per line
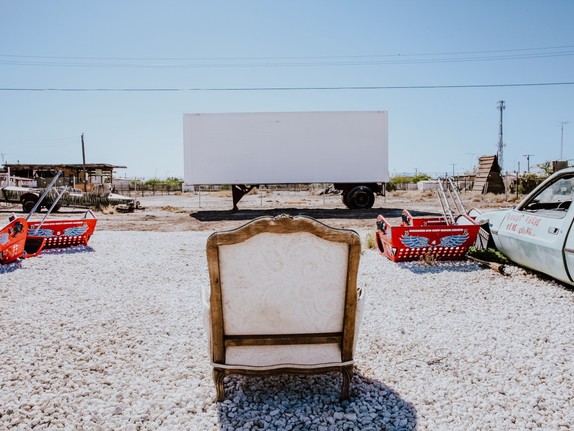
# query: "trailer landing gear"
[238,191]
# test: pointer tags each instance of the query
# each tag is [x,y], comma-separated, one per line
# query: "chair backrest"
[283,280]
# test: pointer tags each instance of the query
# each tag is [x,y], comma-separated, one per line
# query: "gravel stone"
[110,336]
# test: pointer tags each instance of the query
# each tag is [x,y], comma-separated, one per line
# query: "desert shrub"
[405,179]
[401,182]
[488,254]
[429,258]
[526,183]
[172,209]
[370,241]
[172,183]
[107,210]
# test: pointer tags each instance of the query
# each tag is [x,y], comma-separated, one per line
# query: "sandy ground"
[208,211]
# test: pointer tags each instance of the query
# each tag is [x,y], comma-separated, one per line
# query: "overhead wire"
[288,61]
[285,61]
[69,141]
[335,88]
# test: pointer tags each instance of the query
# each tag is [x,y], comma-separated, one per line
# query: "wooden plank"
[282,339]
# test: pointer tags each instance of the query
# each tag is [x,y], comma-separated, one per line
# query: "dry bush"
[108,210]
[490,199]
[428,258]
[221,194]
[370,241]
[171,209]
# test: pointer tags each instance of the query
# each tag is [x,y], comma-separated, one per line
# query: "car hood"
[493,217]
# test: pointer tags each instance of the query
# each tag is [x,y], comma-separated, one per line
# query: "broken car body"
[537,233]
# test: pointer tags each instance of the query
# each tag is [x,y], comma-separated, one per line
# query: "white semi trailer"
[244,150]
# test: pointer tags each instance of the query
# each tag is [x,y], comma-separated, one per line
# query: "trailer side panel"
[286,148]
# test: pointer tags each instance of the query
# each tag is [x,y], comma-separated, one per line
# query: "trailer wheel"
[361,197]
[345,198]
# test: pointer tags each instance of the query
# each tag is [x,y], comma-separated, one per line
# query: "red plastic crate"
[417,237]
[65,233]
[13,240]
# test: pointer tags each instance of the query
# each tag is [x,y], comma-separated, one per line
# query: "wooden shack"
[81,176]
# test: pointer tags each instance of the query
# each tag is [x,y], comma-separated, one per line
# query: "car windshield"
[556,197]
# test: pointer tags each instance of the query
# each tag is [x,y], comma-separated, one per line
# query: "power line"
[47,142]
[269,64]
[293,57]
[338,88]
[287,61]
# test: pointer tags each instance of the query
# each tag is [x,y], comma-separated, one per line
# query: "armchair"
[283,299]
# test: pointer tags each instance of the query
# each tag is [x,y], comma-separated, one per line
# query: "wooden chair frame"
[219,341]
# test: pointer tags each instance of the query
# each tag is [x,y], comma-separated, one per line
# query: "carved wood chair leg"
[347,373]
[218,376]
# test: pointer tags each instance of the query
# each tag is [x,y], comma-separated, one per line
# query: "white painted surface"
[286,148]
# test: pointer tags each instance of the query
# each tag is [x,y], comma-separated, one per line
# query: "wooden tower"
[488,178]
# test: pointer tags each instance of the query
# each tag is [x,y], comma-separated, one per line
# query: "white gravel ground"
[110,337]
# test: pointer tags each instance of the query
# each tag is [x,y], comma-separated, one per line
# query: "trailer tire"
[361,197]
[345,198]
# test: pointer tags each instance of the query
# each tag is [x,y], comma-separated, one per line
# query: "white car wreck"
[538,233]
[100,196]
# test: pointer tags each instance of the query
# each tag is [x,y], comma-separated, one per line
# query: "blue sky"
[321,51]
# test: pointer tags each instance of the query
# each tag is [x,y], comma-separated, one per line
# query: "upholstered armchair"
[283,298]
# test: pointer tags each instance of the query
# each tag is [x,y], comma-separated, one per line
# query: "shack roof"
[60,166]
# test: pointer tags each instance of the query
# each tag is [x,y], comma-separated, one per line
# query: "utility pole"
[562,123]
[501,107]
[84,164]
[527,161]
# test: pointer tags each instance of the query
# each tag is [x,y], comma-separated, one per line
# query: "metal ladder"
[43,195]
[41,198]
[449,199]
[64,190]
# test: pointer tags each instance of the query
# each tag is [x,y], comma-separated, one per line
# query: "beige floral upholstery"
[283,298]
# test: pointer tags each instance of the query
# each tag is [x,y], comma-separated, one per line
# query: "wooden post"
[84,164]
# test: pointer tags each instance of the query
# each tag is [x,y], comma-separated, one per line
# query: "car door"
[537,232]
